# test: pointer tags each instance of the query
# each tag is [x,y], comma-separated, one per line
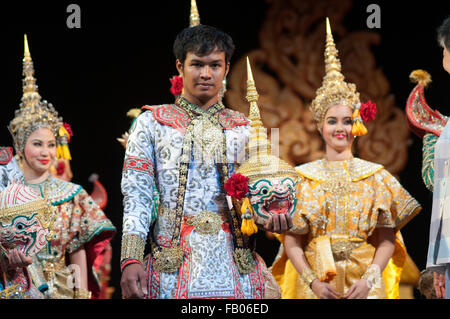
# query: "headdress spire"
[194,18]
[30,97]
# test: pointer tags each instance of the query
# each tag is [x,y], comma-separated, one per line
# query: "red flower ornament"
[237,186]
[69,130]
[60,168]
[177,85]
[368,111]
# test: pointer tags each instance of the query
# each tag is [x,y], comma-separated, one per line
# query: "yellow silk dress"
[343,202]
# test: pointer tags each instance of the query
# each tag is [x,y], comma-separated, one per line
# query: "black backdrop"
[121,57]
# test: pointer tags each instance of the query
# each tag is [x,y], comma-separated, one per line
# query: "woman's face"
[446,60]
[337,128]
[39,151]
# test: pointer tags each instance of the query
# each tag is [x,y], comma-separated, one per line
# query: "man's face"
[202,76]
[446,60]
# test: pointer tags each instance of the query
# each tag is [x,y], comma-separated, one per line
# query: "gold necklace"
[339,180]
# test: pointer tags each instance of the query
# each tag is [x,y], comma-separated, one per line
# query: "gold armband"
[308,276]
[133,247]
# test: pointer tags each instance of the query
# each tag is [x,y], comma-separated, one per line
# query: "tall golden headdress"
[334,89]
[35,113]
[261,163]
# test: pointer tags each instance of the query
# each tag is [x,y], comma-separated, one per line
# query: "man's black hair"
[202,40]
[443,34]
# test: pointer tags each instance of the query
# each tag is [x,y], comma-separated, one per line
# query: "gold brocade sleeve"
[395,205]
[133,247]
[300,222]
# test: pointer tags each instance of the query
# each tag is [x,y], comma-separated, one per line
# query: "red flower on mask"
[177,85]
[368,111]
[237,186]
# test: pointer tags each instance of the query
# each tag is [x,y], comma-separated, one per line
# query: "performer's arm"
[385,244]
[79,258]
[137,189]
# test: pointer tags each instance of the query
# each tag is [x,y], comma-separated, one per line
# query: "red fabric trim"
[139,164]
[170,114]
[415,124]
[182,291]
[6,154]
[129,262]
[175,116]
[229,119]
[96,249]
[154,281]
[257,280]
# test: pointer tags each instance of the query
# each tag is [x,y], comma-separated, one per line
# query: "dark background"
[122,58]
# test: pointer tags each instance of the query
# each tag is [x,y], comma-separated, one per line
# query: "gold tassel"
[248,226]
[62,150]
[358,128]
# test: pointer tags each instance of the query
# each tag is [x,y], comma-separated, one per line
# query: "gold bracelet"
[133,247]
[81,293]
[308,275]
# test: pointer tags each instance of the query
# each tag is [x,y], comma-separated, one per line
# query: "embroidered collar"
[56,190]
[178,115]
[197,110]
[356,169]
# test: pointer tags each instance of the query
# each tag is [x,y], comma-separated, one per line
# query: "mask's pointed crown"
[261,163]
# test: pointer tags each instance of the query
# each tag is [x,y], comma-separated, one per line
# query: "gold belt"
[205,222]
[342,248]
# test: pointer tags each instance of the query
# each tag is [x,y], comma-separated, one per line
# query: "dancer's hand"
[323,290]
[17,259]
[133,282]
[279,223]
[359,290]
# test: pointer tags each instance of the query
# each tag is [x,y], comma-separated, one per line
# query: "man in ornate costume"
[81,230]
[434,129]
[349,209]
[188,150]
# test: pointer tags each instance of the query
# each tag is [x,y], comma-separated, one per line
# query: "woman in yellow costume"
[63,269]
[349,210]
